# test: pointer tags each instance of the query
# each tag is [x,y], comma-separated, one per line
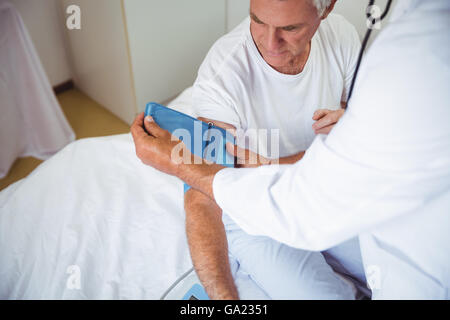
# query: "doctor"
[383,173]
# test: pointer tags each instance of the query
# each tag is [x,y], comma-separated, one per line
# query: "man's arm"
[208,245]
[207,240]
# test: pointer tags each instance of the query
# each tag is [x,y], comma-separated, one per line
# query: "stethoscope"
[373,21]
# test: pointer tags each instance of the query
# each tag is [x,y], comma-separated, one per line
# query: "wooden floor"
[86,117]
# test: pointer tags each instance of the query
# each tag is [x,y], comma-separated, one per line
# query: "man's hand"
[155,149]
[326,119]
[166,153]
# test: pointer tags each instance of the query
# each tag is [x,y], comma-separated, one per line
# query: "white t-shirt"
[235,85]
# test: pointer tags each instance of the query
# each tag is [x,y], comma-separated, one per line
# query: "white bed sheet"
[95,206]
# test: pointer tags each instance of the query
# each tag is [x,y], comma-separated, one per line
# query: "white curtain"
[31,120]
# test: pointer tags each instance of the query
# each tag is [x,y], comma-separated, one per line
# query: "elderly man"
[274,71]
[279,69]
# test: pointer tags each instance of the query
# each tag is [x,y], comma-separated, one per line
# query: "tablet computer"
[202,139]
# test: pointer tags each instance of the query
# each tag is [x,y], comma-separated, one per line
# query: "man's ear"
[328,10]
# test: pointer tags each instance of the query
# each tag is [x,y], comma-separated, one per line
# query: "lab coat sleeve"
[322,200]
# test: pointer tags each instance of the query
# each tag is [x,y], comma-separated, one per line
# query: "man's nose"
[274,41]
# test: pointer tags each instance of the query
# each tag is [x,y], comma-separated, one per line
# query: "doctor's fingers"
[245,157]
[142,141]
[239,152]
[137,128]
[155,130]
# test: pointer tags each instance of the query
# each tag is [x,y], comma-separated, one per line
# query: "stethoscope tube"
[366,40]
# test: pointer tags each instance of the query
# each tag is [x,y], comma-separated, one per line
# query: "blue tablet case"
[202,139]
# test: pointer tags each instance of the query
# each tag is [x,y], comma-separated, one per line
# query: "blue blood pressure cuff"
[203,139]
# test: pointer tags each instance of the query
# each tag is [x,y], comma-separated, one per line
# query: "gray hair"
[321,5]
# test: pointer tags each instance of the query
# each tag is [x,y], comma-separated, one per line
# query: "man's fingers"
[329,119]
[231,149]
[320,113]
[325,130]
[153,129]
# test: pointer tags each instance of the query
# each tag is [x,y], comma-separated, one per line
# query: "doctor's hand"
[158,148]
[249,159]
[246,158]
[326,120]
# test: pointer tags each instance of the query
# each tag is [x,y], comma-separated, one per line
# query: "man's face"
[282,29]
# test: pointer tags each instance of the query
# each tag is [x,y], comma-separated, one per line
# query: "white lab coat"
[383,173]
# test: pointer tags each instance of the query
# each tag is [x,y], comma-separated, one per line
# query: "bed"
[94,213]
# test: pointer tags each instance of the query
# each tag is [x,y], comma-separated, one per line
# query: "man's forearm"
[208,246]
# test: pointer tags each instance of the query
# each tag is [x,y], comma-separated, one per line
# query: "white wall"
[237,10]
[99,55]
[46,30]
[168,41]
[355,12]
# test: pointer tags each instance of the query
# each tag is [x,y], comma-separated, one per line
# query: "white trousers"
[283,272]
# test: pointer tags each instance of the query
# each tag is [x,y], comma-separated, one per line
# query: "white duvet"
[95,206]
[93,222]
